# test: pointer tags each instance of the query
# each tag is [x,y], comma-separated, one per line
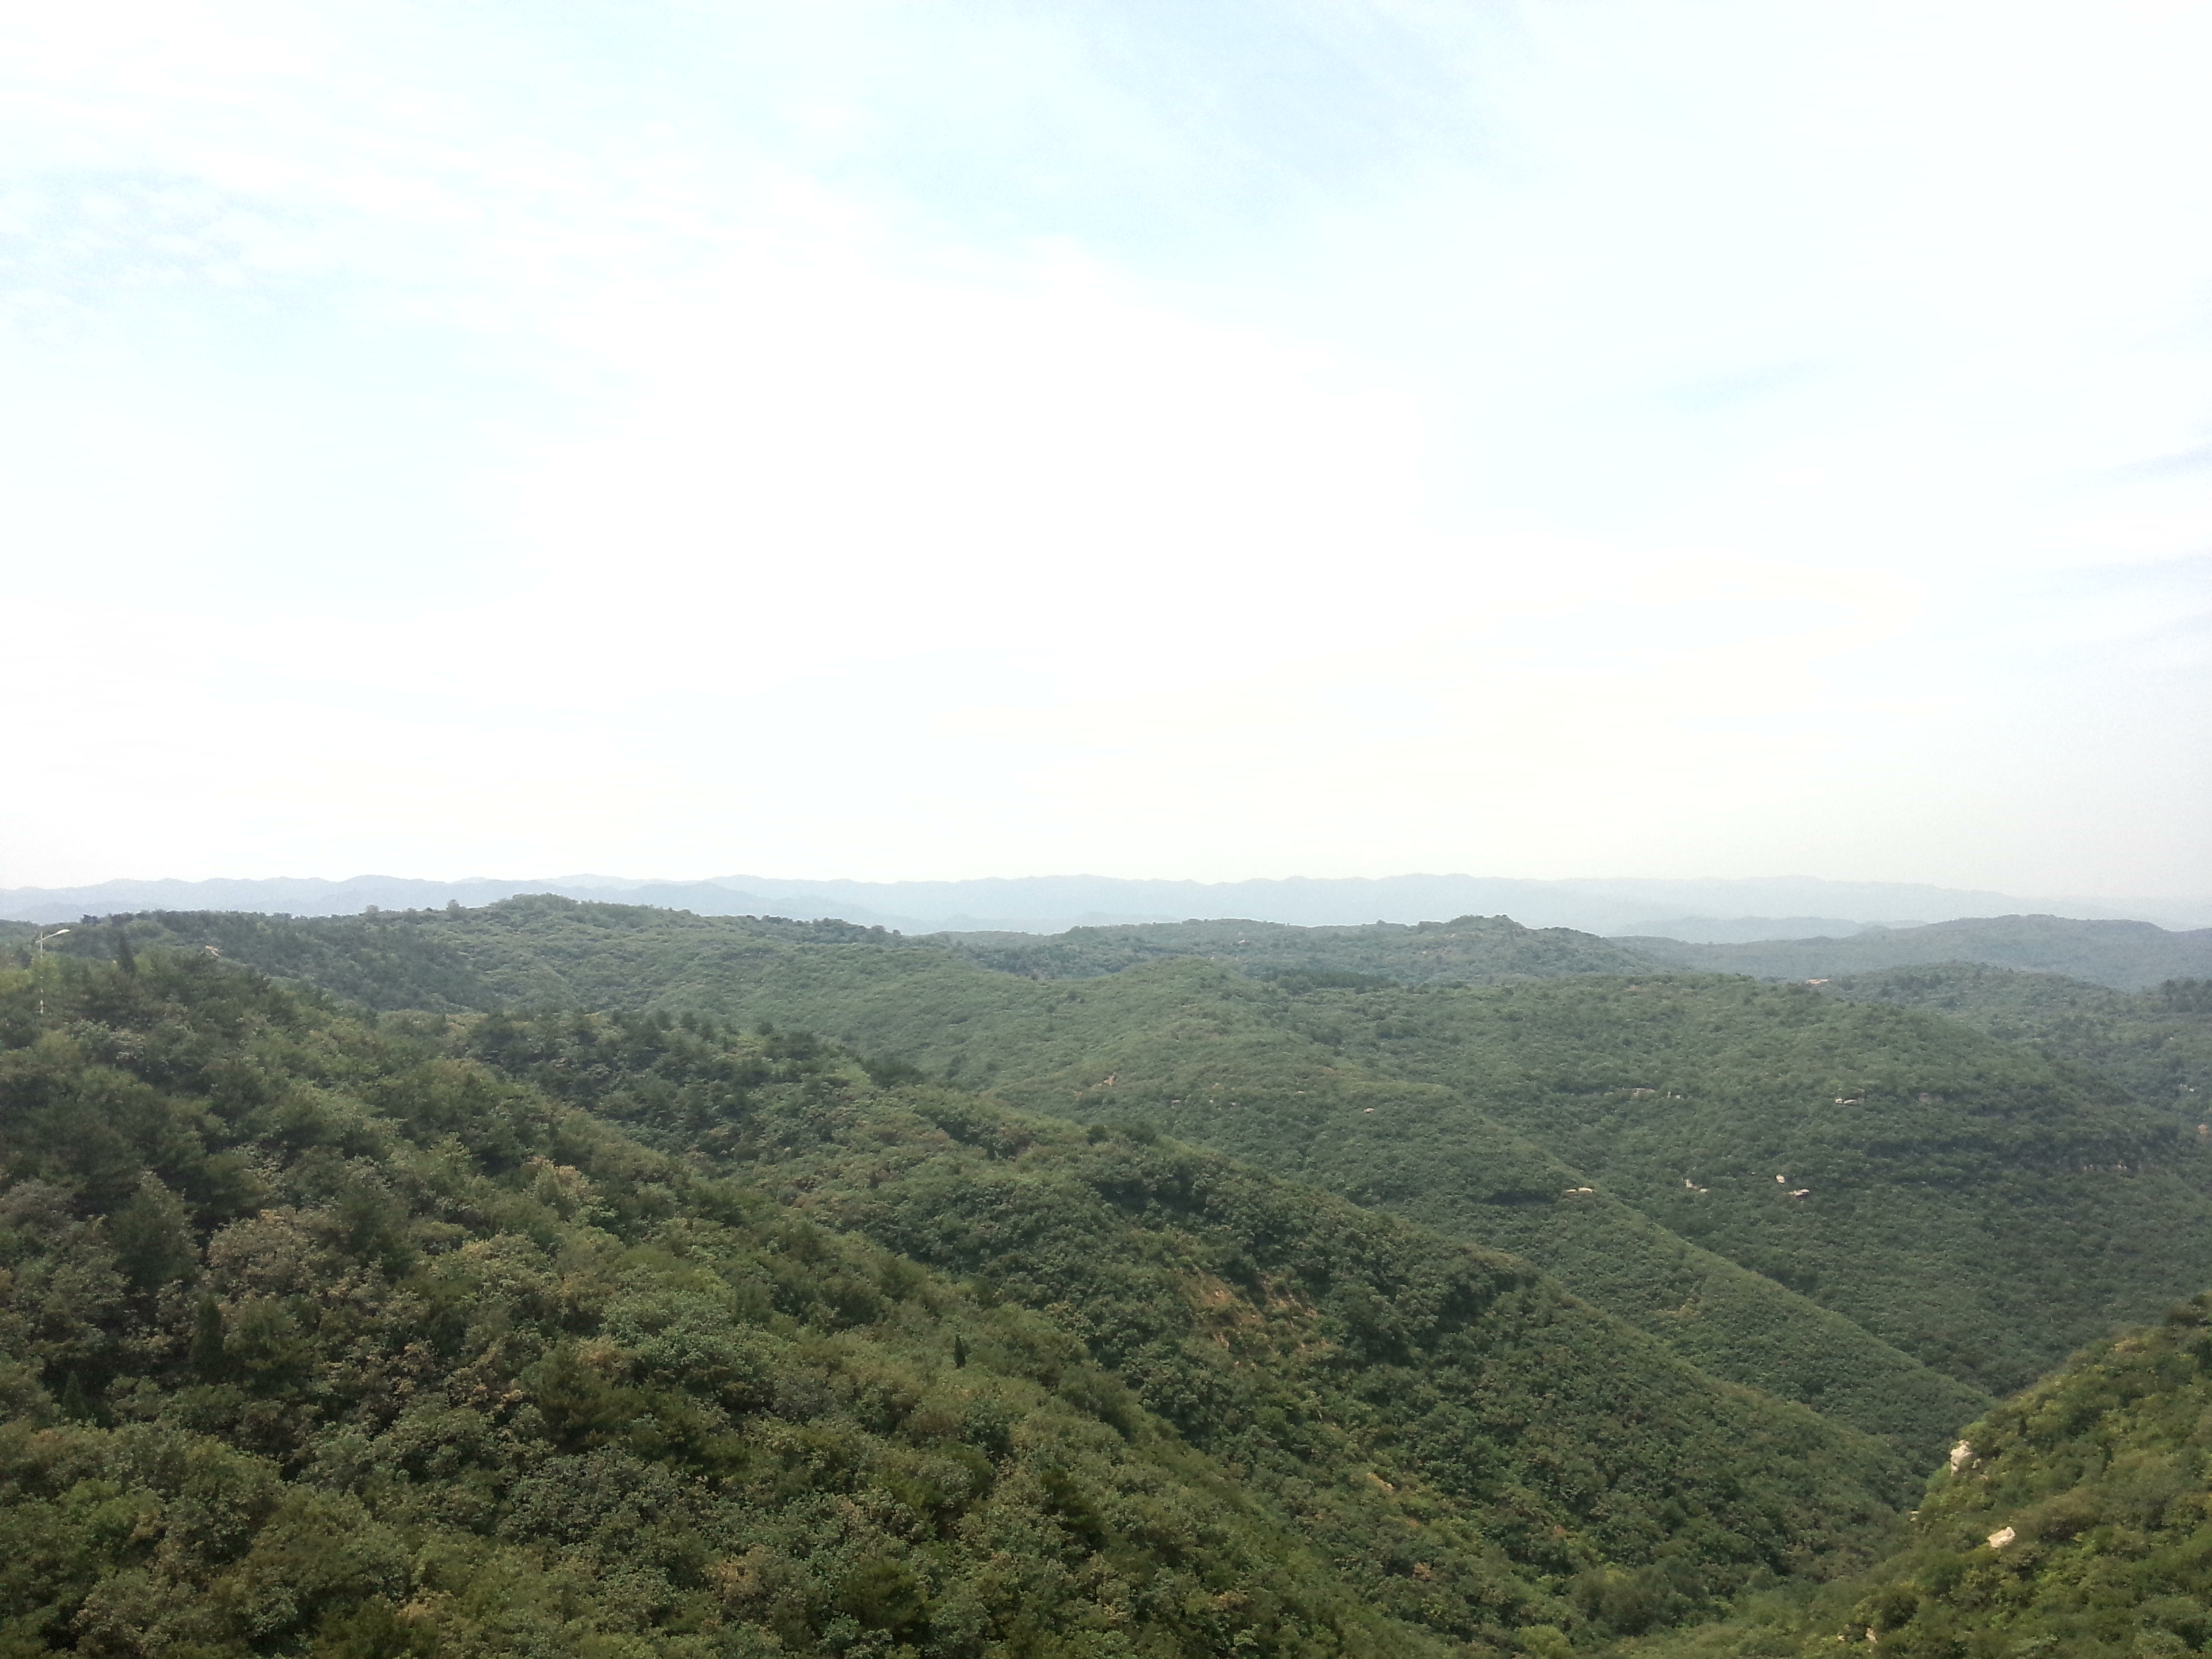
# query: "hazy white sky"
[1160,438]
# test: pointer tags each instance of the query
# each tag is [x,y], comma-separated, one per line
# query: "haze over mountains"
[1358,438]
[1708,911]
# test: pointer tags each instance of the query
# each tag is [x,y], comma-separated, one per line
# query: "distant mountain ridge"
[314,895]
[2129,956]
[1690,911]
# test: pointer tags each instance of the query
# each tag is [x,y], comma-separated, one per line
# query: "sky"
[1178,437]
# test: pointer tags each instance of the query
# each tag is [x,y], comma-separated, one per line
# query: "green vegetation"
[1965,1203]
[2128,956]
[549,950]
[430,958]
[1962,1199]
[583,1302]
[330,1338]
[1276,1078]
[2156,1043]
[2101,1477]
[2075,1521]
[317,1339]
[528,951]
[1285,1332]
[1967,1213]
[1474,950]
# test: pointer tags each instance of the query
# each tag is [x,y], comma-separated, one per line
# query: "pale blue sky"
[907,440]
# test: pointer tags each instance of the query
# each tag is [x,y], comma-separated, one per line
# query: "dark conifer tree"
[208,1357]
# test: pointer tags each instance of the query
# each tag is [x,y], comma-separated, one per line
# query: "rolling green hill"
[1955,1214]
[651,1322]
[2073,1520]
[1960,1198]
[2128,956]
[1963,1201]
[427,958]
[316,1340]
[1047,1043]
[1274,1326]
[546,949]
[542,951]
[322,1337]
[1474,950]
[1219,1060]
[2156,1043]
[2076,1517]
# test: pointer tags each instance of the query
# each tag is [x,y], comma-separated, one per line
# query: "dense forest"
[2155,1042]
[422,958]
[2076,1520]
[1472,950]
[355,1338]
[1453,1288]
[1910,1139]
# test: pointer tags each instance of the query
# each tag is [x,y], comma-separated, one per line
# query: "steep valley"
[1500,1290]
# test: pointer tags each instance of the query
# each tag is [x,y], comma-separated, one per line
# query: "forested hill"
[1472,950]
[2126,955]
[537,951]
[2073,1520]
[1905,1143]
[1964,1200]
[549,949]
[600,1307]
[1624,1133]
[585,1336]
[472,958]
[1863,1283]
[2156,1043]
[1306,1079]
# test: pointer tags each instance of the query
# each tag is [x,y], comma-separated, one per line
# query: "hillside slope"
[2072,1520]
[548,949]
[542,951]
[2156,1043]
[2076,1516]
[2103,1208]
[320,1337]
[1914,1141]
[1273,1325]
[1048,1043]
[1964,1200]
[2128,956]
[1217,1059]
[1471,950]
[316,1340]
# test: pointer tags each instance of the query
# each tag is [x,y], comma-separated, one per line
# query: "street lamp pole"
[38,954]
